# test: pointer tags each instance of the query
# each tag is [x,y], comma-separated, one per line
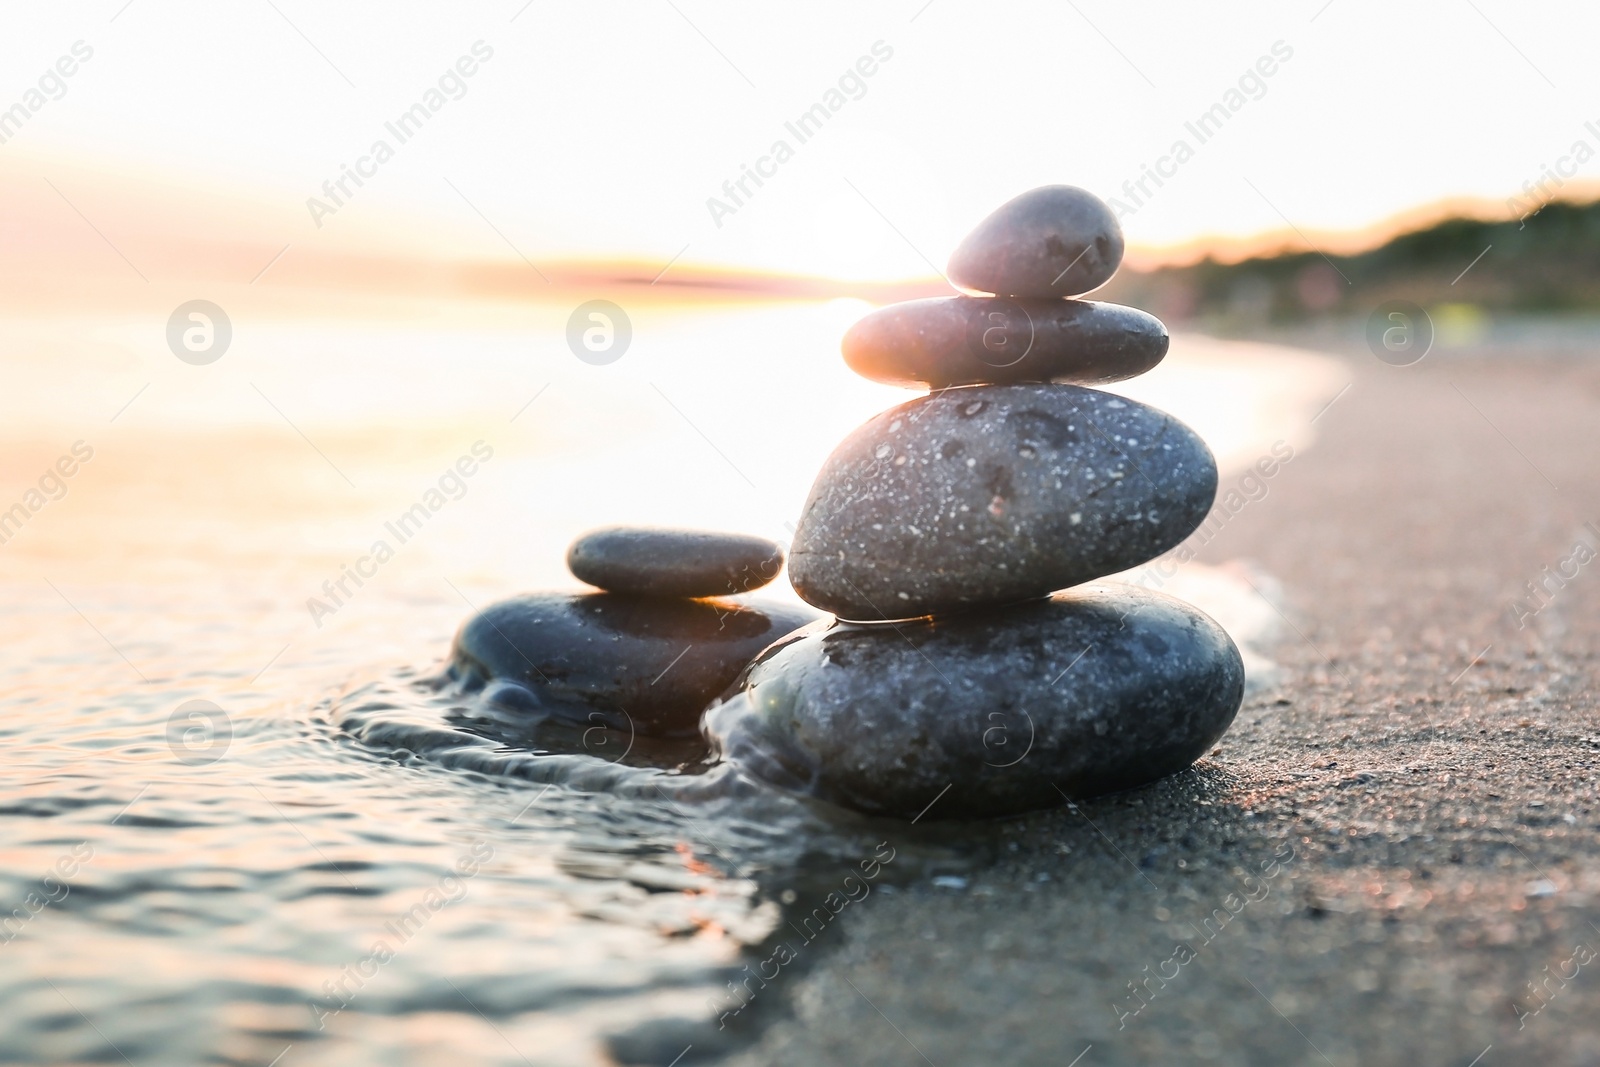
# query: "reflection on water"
[345,863]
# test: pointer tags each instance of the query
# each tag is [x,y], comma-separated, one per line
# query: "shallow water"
[340,863]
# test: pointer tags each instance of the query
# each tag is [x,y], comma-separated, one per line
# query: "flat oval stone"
[1056,240]
[644,664]
[995,493]
[992,712]
[650,561]
[965,340]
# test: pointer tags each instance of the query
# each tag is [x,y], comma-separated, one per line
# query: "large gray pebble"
[1057,240]
[995,493]
[989,713]
[973,340]
[637,664]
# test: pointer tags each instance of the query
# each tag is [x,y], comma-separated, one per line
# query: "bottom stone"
[987,713]
[631,663]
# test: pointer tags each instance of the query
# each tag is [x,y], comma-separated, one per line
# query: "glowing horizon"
[66,209]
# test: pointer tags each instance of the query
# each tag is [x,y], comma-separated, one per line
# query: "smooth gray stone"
[1056,240]
[637,664]
[995,493]
[1009,709]
[963,340]
[652,561]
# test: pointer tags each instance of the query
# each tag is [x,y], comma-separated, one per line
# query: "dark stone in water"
[678,563]
[965,340]
[1057,240]
[648,665]
[995,493]
[1010,709]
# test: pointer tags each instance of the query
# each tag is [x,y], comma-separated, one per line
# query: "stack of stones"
[646,654]
[959,680]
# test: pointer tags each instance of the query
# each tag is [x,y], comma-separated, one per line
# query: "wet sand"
[1420,786]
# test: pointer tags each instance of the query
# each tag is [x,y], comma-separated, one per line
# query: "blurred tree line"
[1546,262]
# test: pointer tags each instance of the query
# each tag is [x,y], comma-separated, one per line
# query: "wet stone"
[638,664]
[997,493]
[971,340]
[1057,240]
[991,712]
[650,561]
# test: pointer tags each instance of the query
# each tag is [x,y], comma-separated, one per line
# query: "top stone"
[1056,240]
[649,561]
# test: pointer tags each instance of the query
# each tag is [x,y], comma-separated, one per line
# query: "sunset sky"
[602,130]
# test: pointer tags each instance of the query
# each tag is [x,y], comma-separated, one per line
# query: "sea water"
[238,824]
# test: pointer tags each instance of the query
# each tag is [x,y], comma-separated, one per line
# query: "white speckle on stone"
[1115,404]
[899,461]
[971,462]
[1076,517]
[884,451]
[903,596]
[950,881]
[1542,888]
[894,427]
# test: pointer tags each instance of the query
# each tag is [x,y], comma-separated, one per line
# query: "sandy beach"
[1422,786]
